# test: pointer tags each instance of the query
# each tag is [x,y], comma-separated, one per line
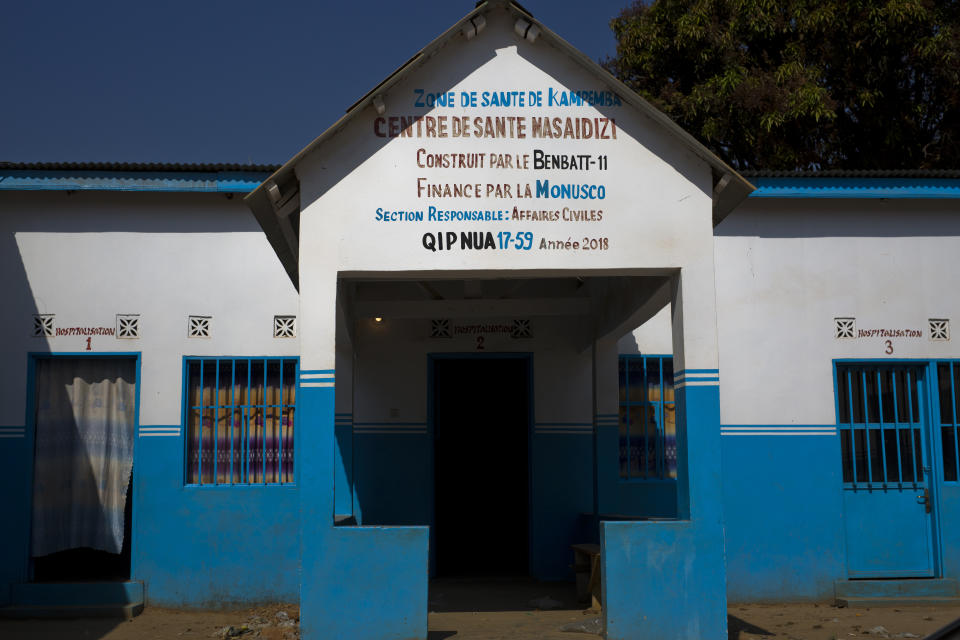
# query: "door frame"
[31,435]
[432,358]
[933,472]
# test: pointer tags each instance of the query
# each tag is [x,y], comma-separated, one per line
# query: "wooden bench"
[586,564]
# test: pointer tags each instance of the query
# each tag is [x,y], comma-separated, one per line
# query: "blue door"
[883,422]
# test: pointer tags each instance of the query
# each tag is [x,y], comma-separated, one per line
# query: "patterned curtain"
[84,453]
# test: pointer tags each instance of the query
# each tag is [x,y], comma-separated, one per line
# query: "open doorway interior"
[481,466]
[83,467]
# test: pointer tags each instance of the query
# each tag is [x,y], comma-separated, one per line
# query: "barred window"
[948,384]
[648,428]
[879,420]
[240,420]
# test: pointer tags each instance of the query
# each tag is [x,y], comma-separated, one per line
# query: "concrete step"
[118,611]
[908,587]
[122,600]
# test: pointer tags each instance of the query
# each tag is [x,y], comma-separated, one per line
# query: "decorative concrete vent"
[440,329]
[284,326]
[521,329]
[43,325]
[845,327]
[198,326]
[939,329]
[128,326]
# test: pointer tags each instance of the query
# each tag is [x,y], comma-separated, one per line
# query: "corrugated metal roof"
[856,173]
[137,166]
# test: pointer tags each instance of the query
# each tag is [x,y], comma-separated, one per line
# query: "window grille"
[948,383]
[198,326]
[240,420]
[43,325]
[648,429]
[880,425]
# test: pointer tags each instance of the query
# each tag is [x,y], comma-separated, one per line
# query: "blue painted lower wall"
[357,583]
[393,486]
[783,508]
[200,547]
[561,501]
[949,510]
[392,479]
[663,580]
[210,546]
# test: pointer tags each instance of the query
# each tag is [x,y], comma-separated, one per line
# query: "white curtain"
[84,453]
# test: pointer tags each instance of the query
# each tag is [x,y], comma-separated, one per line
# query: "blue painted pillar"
[356,583]
[667,579]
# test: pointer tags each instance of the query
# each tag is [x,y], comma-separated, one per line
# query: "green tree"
[802,84]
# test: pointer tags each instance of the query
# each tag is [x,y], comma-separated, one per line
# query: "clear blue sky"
[205,81]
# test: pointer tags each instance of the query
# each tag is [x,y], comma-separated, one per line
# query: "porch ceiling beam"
[525,307]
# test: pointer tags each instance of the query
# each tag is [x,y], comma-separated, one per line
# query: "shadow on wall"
[16,458]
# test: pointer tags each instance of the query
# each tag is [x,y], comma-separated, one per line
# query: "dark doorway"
[481,409]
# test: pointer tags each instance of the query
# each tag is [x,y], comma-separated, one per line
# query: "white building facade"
[502,299]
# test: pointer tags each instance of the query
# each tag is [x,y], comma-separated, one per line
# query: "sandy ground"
[458,613]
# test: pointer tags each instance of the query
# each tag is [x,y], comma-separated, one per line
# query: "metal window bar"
[280,428]
[866,418]
[871,435]
[956,432]
[661,428]
[913,439]
[216,418]
[200,431]
[237,470]
[883,447]
[233,412]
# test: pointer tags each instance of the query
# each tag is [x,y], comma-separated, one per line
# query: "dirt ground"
[457,613]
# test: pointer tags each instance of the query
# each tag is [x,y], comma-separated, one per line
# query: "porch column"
[356,583]
[667,579]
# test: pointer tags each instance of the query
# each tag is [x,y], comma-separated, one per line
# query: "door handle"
[924,499]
